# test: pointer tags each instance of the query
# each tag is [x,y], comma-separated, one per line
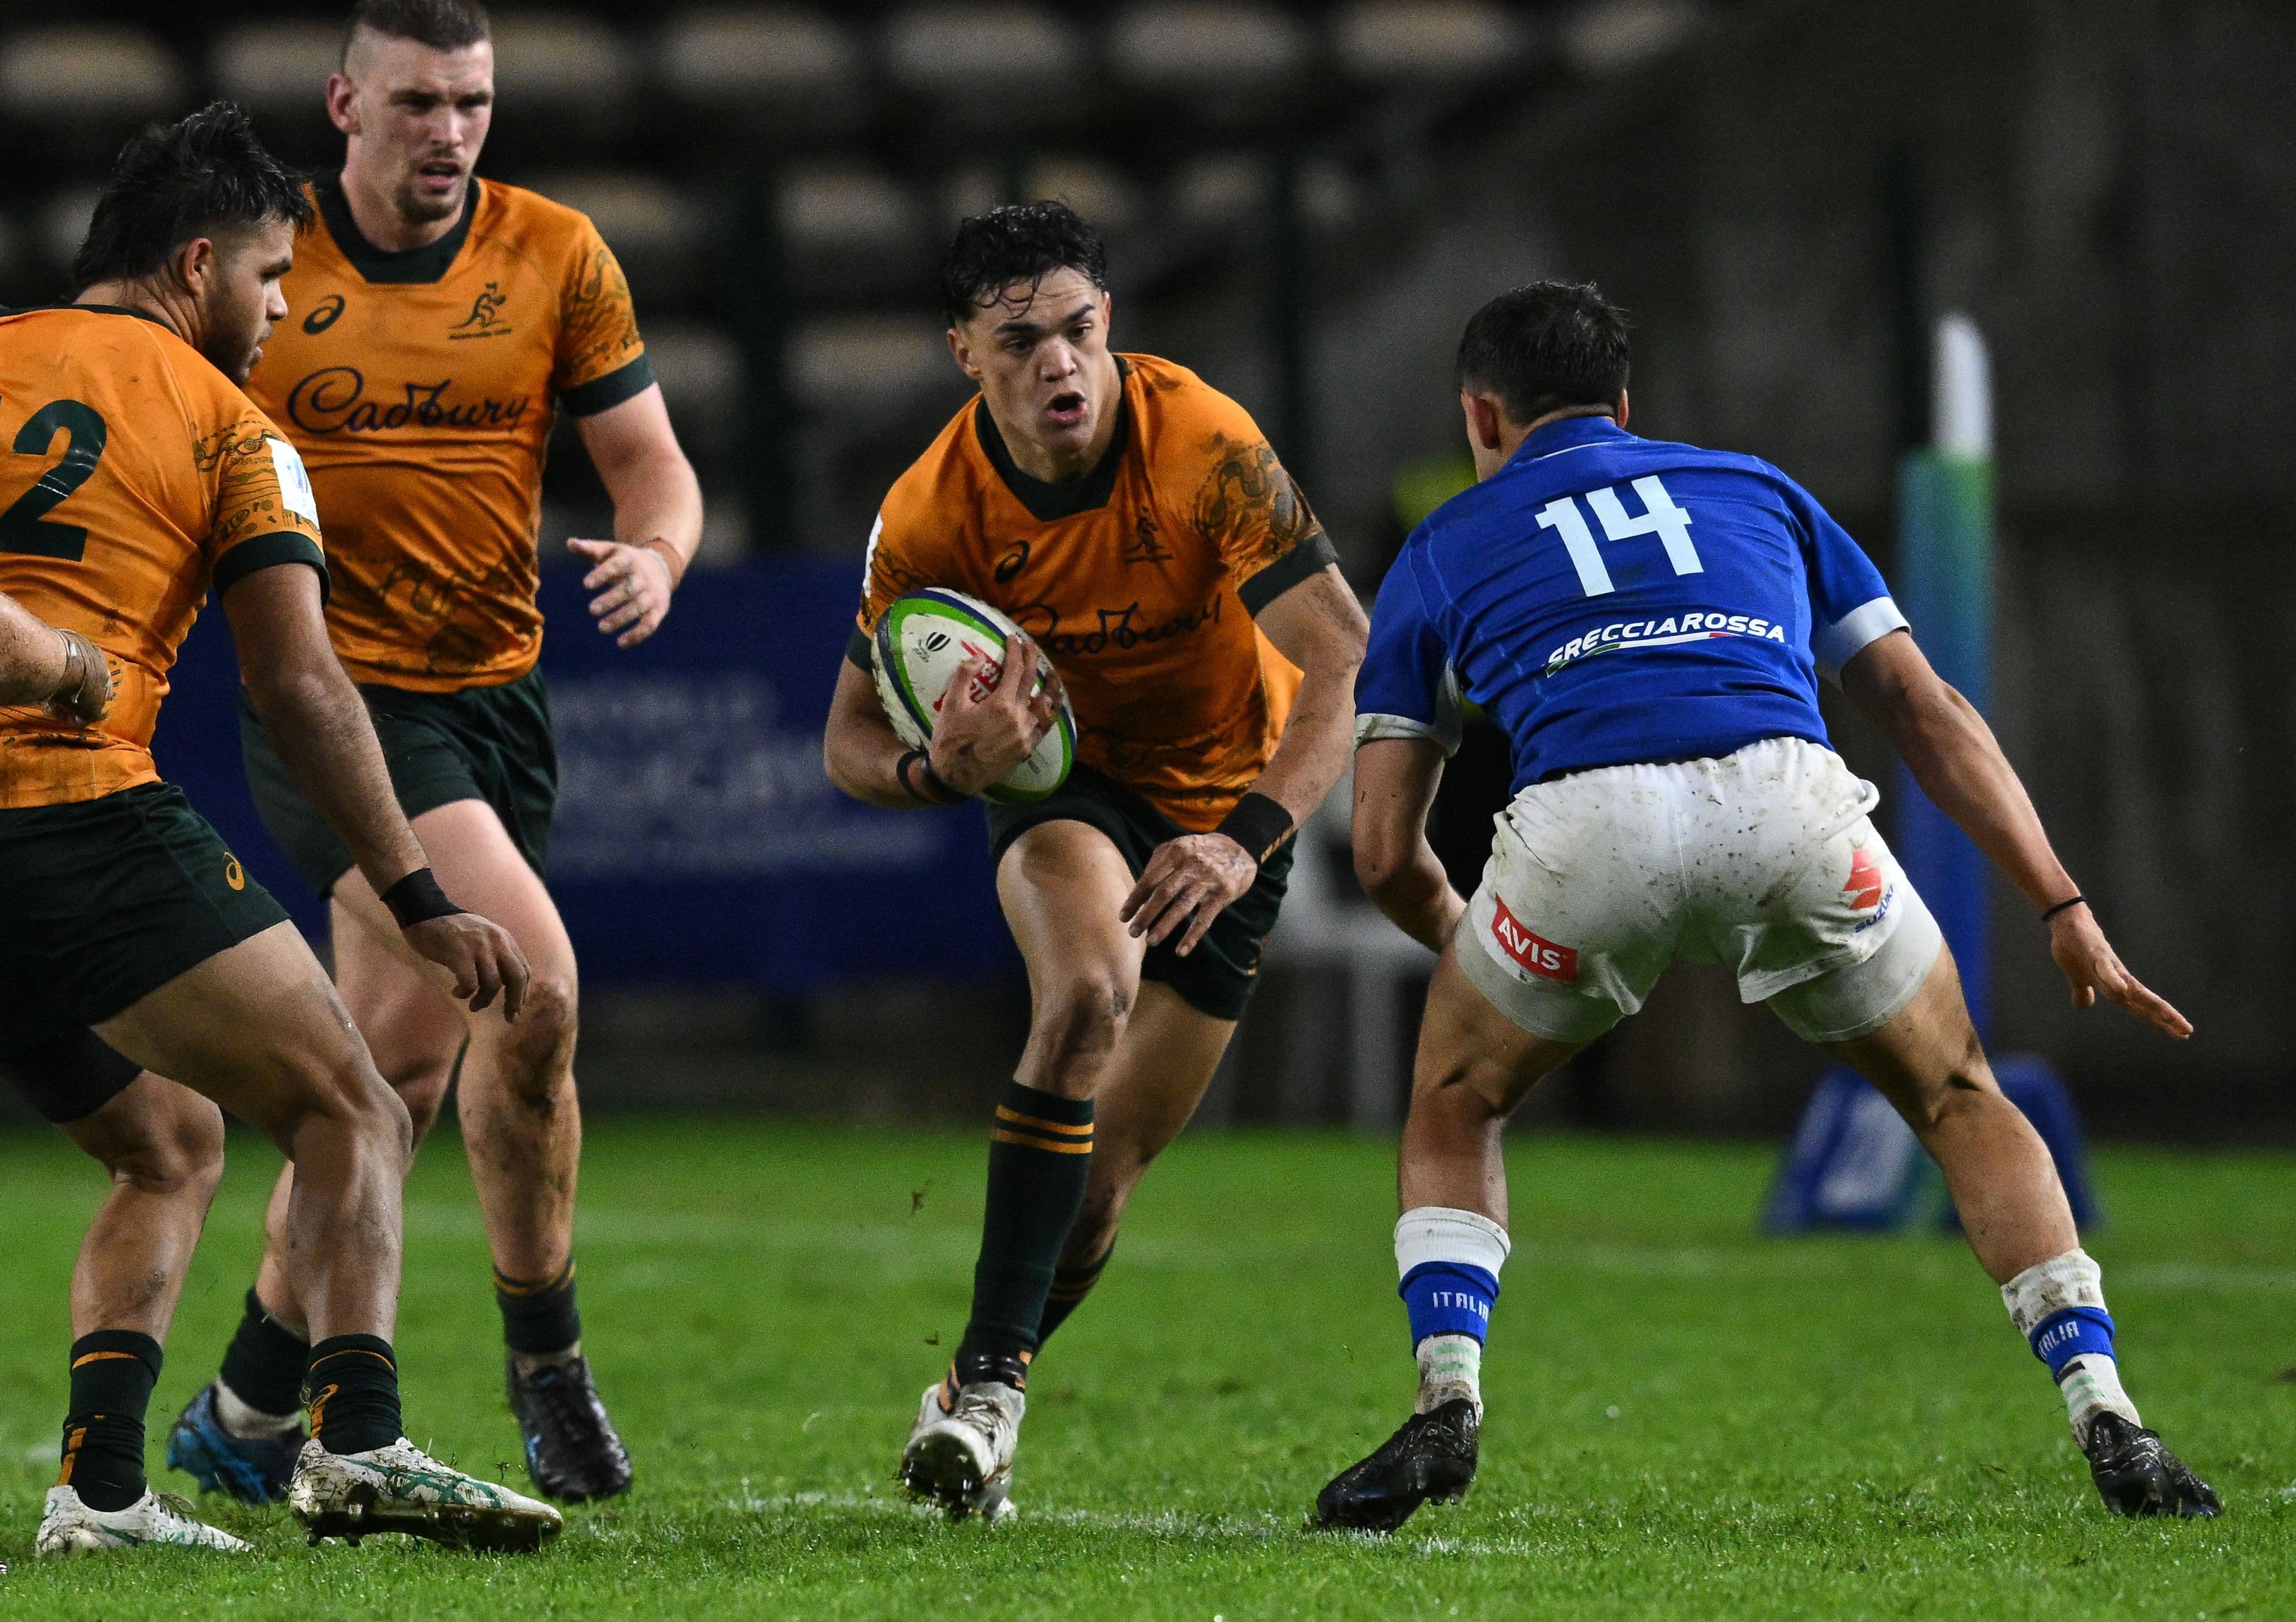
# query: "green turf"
[1686,1420]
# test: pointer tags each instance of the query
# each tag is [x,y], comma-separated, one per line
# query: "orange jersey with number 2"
[133,477]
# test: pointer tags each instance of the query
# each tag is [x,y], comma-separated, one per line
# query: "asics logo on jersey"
[1012,562]
[1531,949]
[1866,882]
[323,314]
[334,400]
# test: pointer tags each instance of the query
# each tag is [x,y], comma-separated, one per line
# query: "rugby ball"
[920,643]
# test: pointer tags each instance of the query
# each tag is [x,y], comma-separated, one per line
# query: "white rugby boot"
[960,1450]
[69,1526]
[400,1488]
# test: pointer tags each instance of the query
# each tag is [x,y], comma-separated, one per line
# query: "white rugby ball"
[920,643]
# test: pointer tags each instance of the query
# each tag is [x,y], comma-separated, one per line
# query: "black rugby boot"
[1431,1460]
[571,1449]
[2138,1477]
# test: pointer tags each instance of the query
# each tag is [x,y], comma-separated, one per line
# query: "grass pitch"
[1686,1420]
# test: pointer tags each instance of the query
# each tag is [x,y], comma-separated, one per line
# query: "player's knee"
[1469,1087]
[1078,1021]
[423,1093]
[1965,1092]
[1094,1230]
[533,1053]
[350,1097]
[180,1153]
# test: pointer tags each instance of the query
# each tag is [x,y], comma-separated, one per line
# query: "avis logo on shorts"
[1532,950]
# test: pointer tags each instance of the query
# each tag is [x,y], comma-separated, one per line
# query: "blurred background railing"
[1303,203]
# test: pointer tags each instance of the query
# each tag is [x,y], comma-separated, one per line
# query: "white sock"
[240,1420]
[1450,1363]
[2090,1385]
[1450,1366]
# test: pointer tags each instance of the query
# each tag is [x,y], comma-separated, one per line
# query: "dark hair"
[1544,347]
[443,25]
[1019,242]
[175,183]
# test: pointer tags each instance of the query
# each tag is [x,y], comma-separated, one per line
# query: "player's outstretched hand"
[989,722]
[2095,969]
[480,953]
[633,587]
[1188,881]
[88,700]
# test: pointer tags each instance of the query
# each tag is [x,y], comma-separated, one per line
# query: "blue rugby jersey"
[1609,600]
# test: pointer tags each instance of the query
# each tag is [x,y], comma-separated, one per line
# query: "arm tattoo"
[1248,505]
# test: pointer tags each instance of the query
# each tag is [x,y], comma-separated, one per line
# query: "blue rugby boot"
[253,1470]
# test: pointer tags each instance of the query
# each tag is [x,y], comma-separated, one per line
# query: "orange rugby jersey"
[420,388]
[133,475]
[1139,580]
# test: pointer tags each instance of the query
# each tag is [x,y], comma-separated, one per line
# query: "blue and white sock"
[1449,1262]
[2059,1307]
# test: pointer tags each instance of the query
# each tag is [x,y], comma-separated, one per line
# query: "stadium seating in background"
[850,234]
[1096,190]
[1221,190]
[701,376]
[865,367]
[1228,64]
[1424,42]
[569,76]
[62,223]
[275,69]
[1608,36]
[88,78]
[792,71]
[995,68]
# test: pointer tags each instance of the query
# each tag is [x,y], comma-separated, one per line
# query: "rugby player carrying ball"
[1136,525]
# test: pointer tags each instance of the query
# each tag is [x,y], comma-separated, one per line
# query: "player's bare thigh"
[1060,884]
[1474,1065]
[479,867]
[260,1029]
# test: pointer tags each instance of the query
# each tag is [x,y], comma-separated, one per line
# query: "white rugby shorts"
[1765,861]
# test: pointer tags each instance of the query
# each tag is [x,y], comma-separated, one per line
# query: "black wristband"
[2062,905]
[935,790]
[1257,824]
[417,898]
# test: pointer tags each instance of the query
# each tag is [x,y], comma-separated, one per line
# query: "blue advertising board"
[698,840]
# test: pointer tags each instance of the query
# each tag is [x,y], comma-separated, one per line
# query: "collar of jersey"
[1568,435]
[92,309]
[1047,502]
[429,263]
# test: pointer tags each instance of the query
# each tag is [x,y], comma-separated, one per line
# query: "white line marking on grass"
[1162,1523]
